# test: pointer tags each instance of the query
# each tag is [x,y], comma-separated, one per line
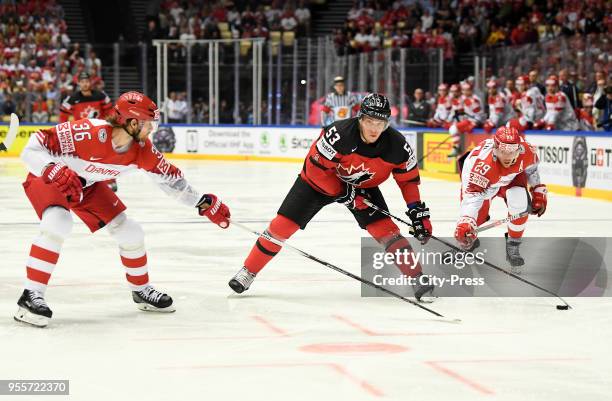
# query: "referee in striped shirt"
[338,104]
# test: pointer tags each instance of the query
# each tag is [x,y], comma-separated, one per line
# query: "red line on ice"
[363,384]
[270,326]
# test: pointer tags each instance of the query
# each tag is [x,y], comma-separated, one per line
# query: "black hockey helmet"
[376,106]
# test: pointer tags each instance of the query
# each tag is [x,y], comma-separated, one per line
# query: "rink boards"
[572,163]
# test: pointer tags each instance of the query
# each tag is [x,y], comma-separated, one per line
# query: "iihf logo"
[354,175]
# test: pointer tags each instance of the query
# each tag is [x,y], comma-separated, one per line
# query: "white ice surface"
[259,346]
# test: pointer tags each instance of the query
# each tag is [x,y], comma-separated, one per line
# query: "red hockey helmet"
[135,105]
[507,144]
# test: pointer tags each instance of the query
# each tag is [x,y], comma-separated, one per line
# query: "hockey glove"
[419,215]
[538,199]
[65,180]
[216,211]
[465,232]
[353,198]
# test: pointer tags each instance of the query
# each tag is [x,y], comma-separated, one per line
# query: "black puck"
[563,307]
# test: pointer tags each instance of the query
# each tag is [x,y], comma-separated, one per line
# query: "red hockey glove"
[65,179]
[488,126]
[538,199]
[352,198]
[419,216]
[216,211]
[465,232]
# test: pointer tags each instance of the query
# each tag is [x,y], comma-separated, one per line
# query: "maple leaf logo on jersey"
[89,112]
[354,175]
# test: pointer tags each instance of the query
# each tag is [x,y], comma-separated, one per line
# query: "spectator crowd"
[465,25]
[556,102]
[39,66]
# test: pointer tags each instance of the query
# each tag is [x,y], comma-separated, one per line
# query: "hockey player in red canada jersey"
[85,103]
[500,108]
[443,108]
[530,106]
[470,116]
[560,114]
[67,164]
[505,166]
[346,164]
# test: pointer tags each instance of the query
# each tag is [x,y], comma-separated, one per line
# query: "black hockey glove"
[352,198]
[419,215]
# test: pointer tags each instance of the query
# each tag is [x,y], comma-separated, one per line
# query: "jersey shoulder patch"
[338,138]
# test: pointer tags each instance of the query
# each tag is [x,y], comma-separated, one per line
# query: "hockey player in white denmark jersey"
[503,166]
[560,114]
[68,165]
[500,108]
[470,115]
[530,106]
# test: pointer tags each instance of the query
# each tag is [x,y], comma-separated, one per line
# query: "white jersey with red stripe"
[86,147]
[482,175]
[443,110]
[559,112]
[532,106]
[472,107]
[500,109]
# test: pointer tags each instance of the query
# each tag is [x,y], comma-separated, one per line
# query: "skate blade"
[236,287]
[427,299]
[25,316]
[150,308]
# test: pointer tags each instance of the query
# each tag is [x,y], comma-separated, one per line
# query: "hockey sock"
[455,135]
[55,226]
[517,201]
[130,238]
[517,227]
[388,234]
[263,251]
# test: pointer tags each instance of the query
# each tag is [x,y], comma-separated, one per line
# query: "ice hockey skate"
[33,309]
[242,280]
[151,300]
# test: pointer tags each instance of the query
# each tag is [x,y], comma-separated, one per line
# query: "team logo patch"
[102,135]
[354,175]
[342,112]
[479,180]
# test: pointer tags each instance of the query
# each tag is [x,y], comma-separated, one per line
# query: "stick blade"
[11,134]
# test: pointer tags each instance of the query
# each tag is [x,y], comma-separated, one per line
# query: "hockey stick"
[11,133]
[502,221]
[339,270]
[414,122]
[565,306]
